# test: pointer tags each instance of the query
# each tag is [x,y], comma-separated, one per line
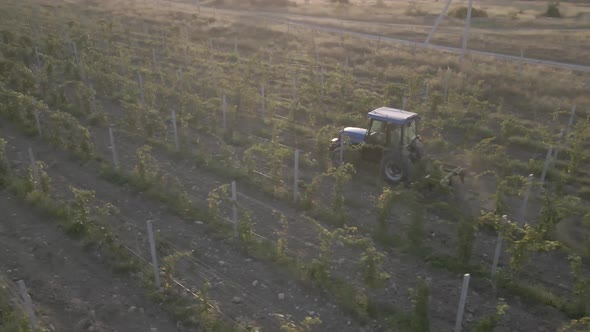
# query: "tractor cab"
[391,138]
[390,131]
[392,142]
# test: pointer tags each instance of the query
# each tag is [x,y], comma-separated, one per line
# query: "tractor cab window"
[409,132]
[394,134]
[377,132]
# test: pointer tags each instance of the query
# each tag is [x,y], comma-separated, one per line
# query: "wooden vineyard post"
[176,144]
[38,122]
[498,250]
[462,300]
[234,198]
[546,164]
[263,99]
[224,110]
[525,202]
[437,22]
[446,84]
[113,148]
[93,98]
[153,253]
[28,304]
[322,77]
[571,121]
[556,150]
[341,147]
[317,53]
[34,170]
[76,53]
[140,80]
[296,177]
[404,102]
[37,57]
[466,29]
[179,75]
[426,88]
[497,253]
[294,91]
[211,51]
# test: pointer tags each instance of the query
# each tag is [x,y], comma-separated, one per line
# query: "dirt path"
[230,271]
[71,290]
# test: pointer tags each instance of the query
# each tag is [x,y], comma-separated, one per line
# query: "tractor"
[392,142]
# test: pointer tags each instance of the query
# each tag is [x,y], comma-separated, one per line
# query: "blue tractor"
[391,141]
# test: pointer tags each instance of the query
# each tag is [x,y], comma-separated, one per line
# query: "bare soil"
[70,287]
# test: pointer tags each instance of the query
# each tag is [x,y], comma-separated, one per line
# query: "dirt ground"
[70,288]
[217,261]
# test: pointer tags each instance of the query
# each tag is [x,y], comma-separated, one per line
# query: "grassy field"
[495,118]
[532,35]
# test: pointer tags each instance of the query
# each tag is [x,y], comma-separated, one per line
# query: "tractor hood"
[356,135]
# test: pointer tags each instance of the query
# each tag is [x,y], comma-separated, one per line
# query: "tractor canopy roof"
[392,115]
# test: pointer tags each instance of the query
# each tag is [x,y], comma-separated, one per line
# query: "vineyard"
[174,158]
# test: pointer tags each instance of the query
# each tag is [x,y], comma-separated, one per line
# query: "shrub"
[552,9]
[415,231]
[489,323]
[384,204]
[370,265]
[461,12]
[466,238]
[3,158]
[420,321]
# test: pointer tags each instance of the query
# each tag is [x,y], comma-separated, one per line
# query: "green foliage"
[489,323]
[384,205]
[274,155]
[79,211]
[581,287]
[147,168]
[488,153]
[465,239]
[553,9]
[509,186]
[370,263]
[461,12]
[216,197]
[64,130]
[323,137]
[416,228]
[283,237]
[246,228]
[342,174]
[4,164]
[11,319]
[319,268]
[43,177]
[521,241]
[577,325]
[576,143]
[536,293]
[306,325]
[169,264]
[420,317]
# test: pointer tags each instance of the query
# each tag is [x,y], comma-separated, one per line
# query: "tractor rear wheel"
[393,170]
